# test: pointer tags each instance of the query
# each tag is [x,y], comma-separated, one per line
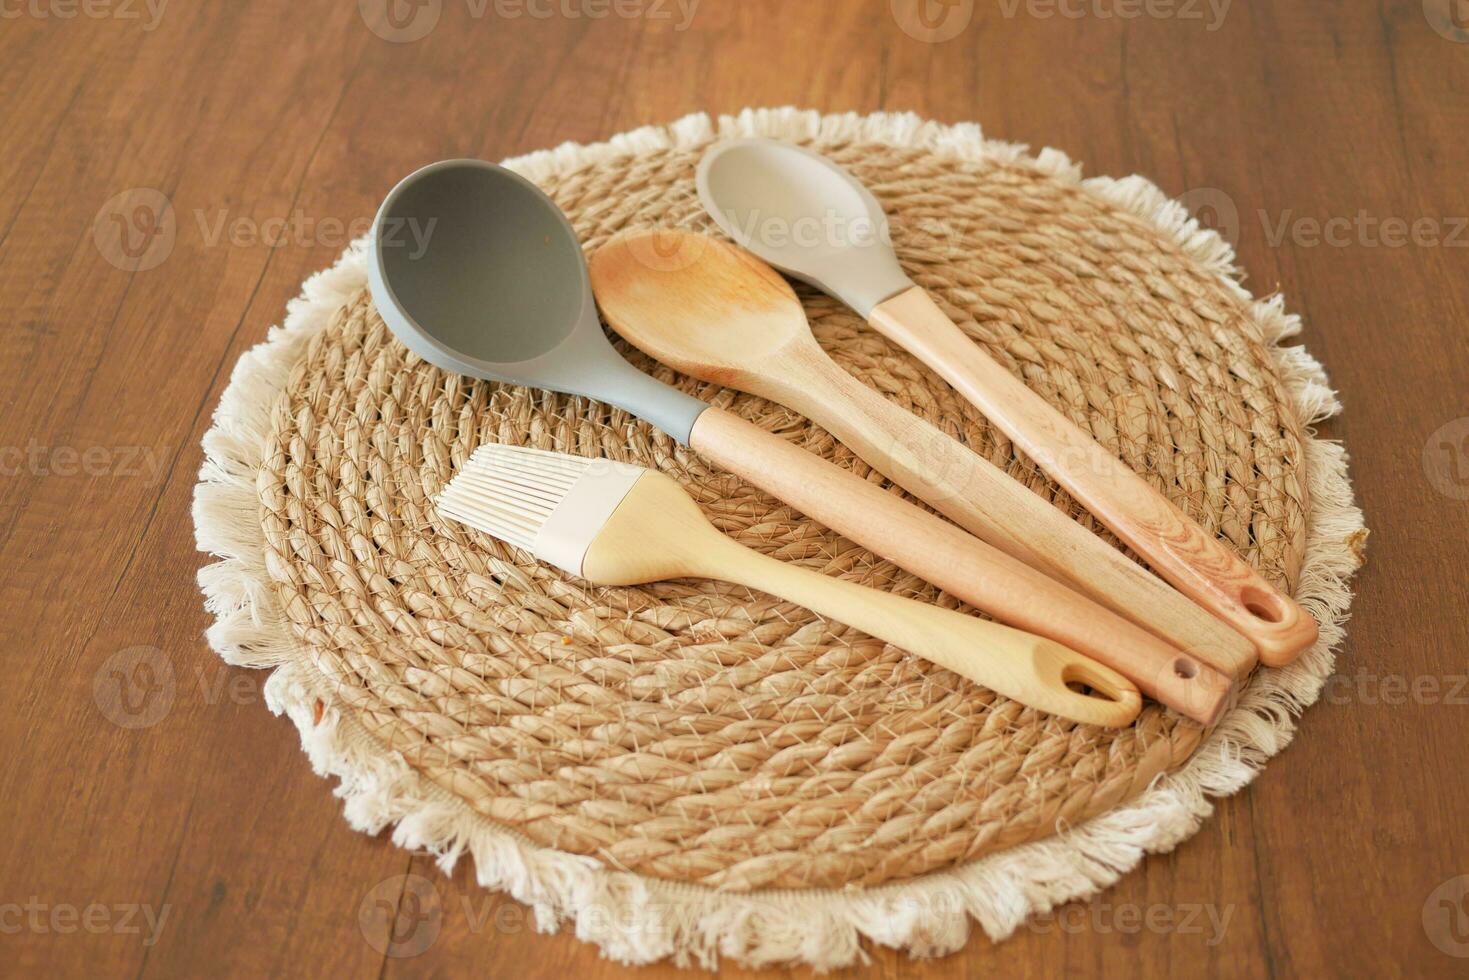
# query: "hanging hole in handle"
[1263,605]
[1079,679]
[1185,669]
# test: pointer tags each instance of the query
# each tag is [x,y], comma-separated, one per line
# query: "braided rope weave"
[701,732]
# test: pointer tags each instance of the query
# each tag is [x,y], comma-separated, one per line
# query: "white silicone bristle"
[510,492]
[544,502]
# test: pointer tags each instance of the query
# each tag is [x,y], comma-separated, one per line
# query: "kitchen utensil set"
[501,291]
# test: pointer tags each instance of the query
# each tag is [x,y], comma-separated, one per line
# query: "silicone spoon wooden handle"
[658,532]
[981,498]
[1199,565]
[959,563]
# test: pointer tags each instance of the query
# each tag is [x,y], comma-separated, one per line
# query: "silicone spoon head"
[715,313]
[804,215]
[478,272]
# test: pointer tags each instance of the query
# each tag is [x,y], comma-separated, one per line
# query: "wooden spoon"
[716,312]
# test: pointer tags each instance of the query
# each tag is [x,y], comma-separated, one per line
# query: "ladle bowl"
[497,289]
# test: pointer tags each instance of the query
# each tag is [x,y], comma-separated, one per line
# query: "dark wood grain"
[1290,112]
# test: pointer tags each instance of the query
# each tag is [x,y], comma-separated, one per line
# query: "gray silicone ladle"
[493,284]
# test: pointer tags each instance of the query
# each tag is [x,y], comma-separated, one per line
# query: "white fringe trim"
[635,919]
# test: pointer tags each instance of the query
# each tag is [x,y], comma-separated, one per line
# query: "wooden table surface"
[1330,138]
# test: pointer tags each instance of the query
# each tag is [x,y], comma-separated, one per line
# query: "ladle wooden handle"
[959,563]
[1199,565]
[982,499]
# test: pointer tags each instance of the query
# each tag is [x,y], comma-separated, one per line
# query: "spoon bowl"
[744,310]
[804,215]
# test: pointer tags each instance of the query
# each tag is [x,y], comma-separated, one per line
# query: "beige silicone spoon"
[808,217]
[666,294]
[729,318]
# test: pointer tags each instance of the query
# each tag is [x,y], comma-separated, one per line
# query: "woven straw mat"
[701,732]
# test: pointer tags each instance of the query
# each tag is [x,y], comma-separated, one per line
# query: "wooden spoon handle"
[979,497]
[1199,565]
[1033,670]
[959,563]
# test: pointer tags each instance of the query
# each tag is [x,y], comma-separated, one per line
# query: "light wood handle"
[1199,565]
[657,532]
[1031,669]
[959,563]
[982,499]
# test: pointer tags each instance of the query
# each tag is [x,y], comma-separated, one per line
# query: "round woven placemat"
[711,734]
[702,733]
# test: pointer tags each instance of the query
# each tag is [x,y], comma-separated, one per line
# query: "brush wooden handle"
[1028,668]
[981,498]
[658,532]
[1199,565]
[959,563]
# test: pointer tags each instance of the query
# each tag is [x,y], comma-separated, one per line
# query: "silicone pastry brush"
[615,524]
[755,188]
